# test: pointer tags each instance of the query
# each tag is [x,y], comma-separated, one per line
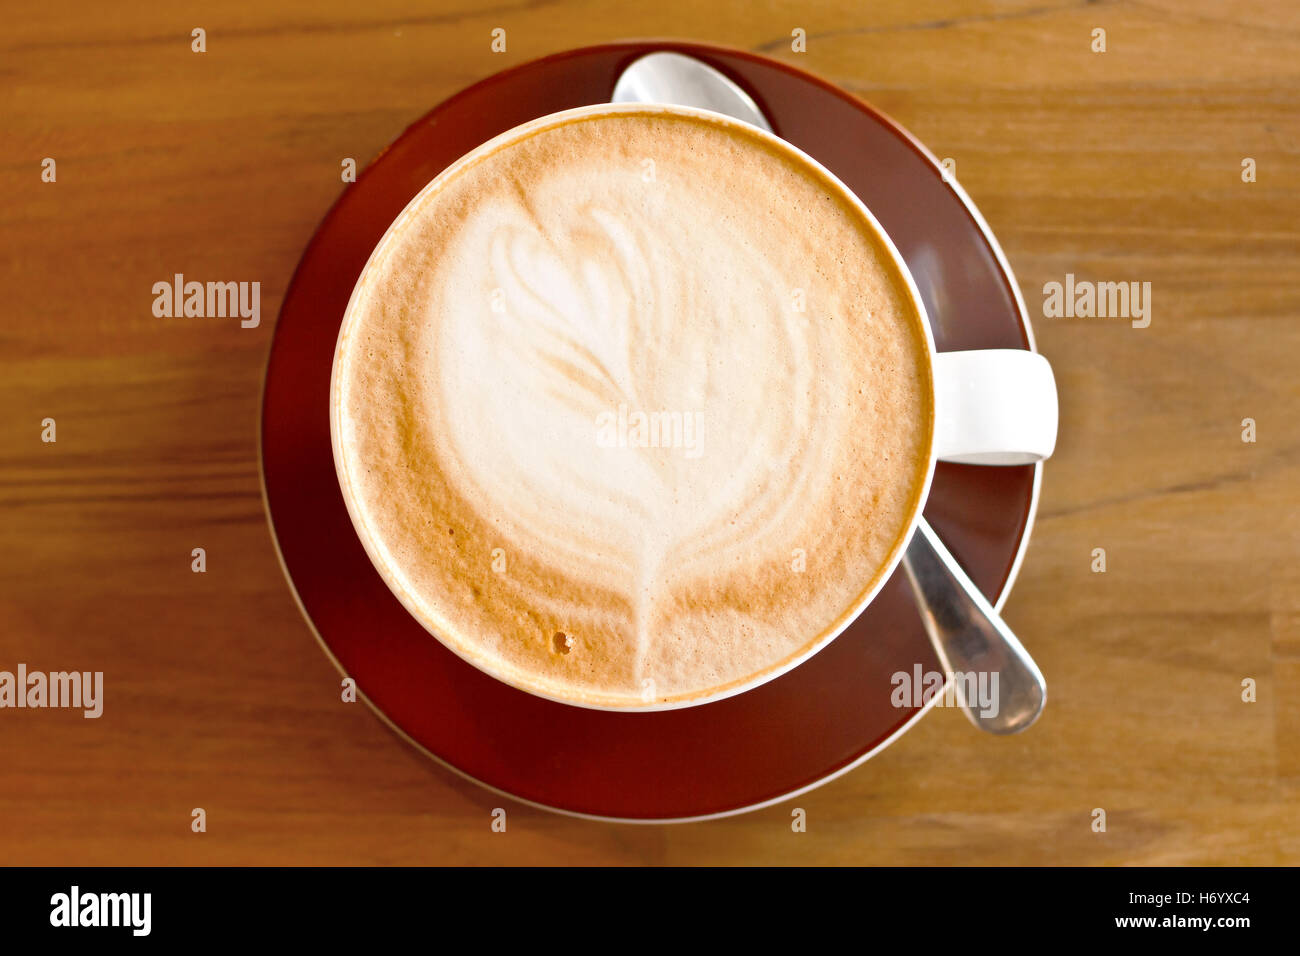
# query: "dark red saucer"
[786,736]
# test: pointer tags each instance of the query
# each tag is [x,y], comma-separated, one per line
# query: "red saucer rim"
[1008,277]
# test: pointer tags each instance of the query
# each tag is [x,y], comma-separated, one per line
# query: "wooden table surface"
[1124,165]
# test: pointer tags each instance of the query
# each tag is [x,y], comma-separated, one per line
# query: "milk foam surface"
[633,409]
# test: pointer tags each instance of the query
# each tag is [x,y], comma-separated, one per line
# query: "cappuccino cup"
[636,407]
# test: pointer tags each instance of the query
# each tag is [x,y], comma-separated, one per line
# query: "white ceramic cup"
[991,406]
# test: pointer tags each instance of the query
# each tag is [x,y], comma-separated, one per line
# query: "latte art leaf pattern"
[604,434]
[601,314]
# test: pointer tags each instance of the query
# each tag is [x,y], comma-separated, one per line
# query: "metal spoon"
[968,635]
[972,639]
[685,81]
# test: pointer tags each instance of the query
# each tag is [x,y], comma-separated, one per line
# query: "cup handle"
[994,407]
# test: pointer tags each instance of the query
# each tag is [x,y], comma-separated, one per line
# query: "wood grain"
[1117,166]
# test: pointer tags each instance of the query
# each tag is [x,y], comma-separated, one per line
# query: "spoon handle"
[972,639]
